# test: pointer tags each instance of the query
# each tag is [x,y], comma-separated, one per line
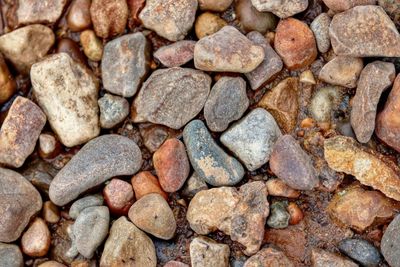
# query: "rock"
[92,46]
[324,101]
[171,19]
[171,97]
[227,50]
[343,5]
[193,185]
[19,201]
[361,251]
[320,28]
[70,47]
[240,214]
[342,70]
[268,257]
[51,264]
[282,102]
[322,258]
[217,6]
[390,243]
[175,264]
[206,252]
[10,256]
[83,203]
[253,20]
[343,154]
[50,212]
[278,188]
[35,242]
[251,139]
[125,64]
[295,43]
[20,131]
[176,54]
[307,77]
[375,78]
[292,164]
[296,215]
[113,110]
[392,8]
[171,164]
[152,214]
[49,147]
[364,31]
[207,24]
[271,65]
[39,11]
[154,135]
[78,17]
[226,103]
[278,217]
[209,161]
[109,17]
[74,123]
[145,183]
[282,9]
[119,196]
[99,160]
[8,85]
[27,45]
[127,245]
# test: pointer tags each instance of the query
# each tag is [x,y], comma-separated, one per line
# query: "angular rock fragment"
[206,252]
[281,8]
[342,70]
[176,54]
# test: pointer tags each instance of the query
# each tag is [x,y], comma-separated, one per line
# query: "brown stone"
[176,54]
[49,146]
[135,6]
[342,70]
[342,5]
[78,17]
[322,258]
[253,20]
[92,46]
[268,257]
[39,11]
[217,6]
[119,196]
[35,241]
[50,213]
[207,24]
[8,85]
[278,188]
[67,45]
[296,215]
[109,17]
[51,264]
[145,183]
[154,135]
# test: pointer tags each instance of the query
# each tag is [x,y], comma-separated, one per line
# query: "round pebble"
[35,241]
[145,183]
[118,196]
[92,46]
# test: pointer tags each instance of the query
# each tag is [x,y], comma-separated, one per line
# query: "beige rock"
[35,241]
[39,11]
[92,46]
[281,8]
[322,258]
[51,264]
[342,70]
[206,252]
[208,23]
[278,188]
[342,5]
[268,257]
[218,6]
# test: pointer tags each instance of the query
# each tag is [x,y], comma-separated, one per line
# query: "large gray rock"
[206,252]
[99,160]
[10,256]
[390,243]
[281,8]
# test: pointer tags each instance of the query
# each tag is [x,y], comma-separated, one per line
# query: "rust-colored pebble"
[146,183]
[296,215]
[50,212]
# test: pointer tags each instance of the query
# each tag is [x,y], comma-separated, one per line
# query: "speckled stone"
[113,110]
[176,54]
[206,252]
[269,257]
[281,8]
[342,5]
[39,11]
[361,251]
[342,70]
[322,258]
[10,256]
[278,217]
[109,17]
[83,203]
[390,243]
[320,28]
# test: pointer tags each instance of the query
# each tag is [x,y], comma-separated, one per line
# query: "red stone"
[119,196]
[146,183]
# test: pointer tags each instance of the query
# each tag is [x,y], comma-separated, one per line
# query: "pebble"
[78,17]
[50,212]
[278,217]
[48,145]
[307,77]
[67,45]
[171,97]
[207,24]
[145,183]
[282,102]
[252,138]
[320,28]
[339,5]
[322,258]
[172,165]
[27,45]
[83,203]
[127,245]
[375,78]
[390,243]
[109,17]
[113,110]
[361,251]
[292,164]
[20,131]
[295,43]
[344,154]
[176,54]
[152,214]
[206,252]
[154,135]
[271,65]
[238,213]
[278,188]
[324,101]
[119,196]
[135,6]
[342,70]
[74,124]
[8,85]
[35,242]
[226,103]
[364,31]
[282,9]
[210,162]
[39,11]
[171,19]
[91,45]
[51,264]
[268,257]
[217,6]
[175,264]
[253,20]
[10,256]
[227,50]
[296,215]
[193,185]
[125,64]
[99,160]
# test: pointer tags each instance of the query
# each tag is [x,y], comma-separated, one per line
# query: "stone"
[278,188]
[25,46]
[253,20]
[99,160]
[128,245]
[50,212]
[324,101]
[109,17]
[145,183]
[119,196]
[8,85]
[344,154]
[74,123]
[296,215]
[227,50]
[278,217]
[295,43]
[152,214]
[361,251]
[176,54]
[390,243]
[320,28]
[282,9]
[375,78]
[48,145]
[211,163]
[392,8]
[70,47]
[171,97]
[322,258]
[171,19]
[268,257]
[172,165]
[226,103]
[175,264]
[78,17]
[20,131]
[125,64]
[206,252]
[154,135]
[252,138]
[51,264]
[113,110]
[207,24]
[343,5]
[238,213]
[307,77]
[193,185]
[83,203]
[217,6]
[290,163]
[282,102]
[360,209]
[91,45]
[271,65]
[35,242]
[342,70]
[39,11]
[10,256]
[364,31]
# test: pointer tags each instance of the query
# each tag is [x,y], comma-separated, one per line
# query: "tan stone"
[35,241]
[342,70]
[208,23]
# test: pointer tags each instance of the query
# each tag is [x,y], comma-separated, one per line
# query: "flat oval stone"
[342,70]
[109,17]
[176,54]
[390,243]
[361,251]
[320,28]
[83,203]
[99,160]
[78,17]
[10,256]
[281,8]
[209,161]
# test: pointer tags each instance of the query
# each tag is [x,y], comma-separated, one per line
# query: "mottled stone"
[322,258]
[207,24]
[342,70]
[253,20]
[78,17]
[176,54]
[83,203]
[217,6]
[281,8]
[193,185]
[35,242]
[320,28]
[119,196]
[145,183]
[113,110]
[48,145]
[10,256]
[361,251]
[268,257]
[278,188]
[206,252]
[91,45]
[392,8]
[39,11]
[50,212]
[109,17]
[390,243]
[70,47]
[324,101]
[278,217]
[8,84]
[342,5]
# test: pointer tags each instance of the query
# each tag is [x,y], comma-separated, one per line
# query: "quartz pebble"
[340,5]
[118,196]
[253,20]
[10,256]
[278,217]
[113,110]
[176,54]
[324,101]
[390,243]
[361,251]
[307,77]
[206,252]
[92,46]
[217,6]
[109,17]
[78,17]
[320,28]
[35,242]
[268,257]
[8,85]
[48,145]
[145,183]
[39,11]
[83,203]
[278,188]
[282,9]
[342,70]
[322,258]
[50,212]
[207,24]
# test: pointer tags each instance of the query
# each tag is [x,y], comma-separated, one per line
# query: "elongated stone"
[281,8]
